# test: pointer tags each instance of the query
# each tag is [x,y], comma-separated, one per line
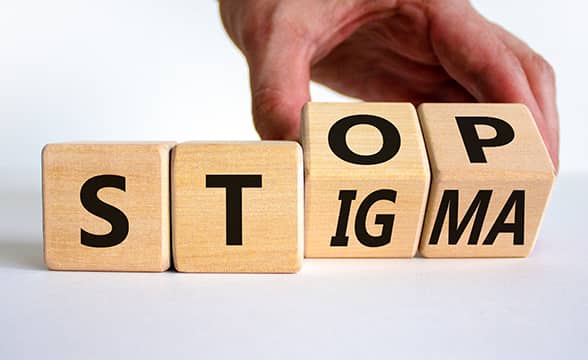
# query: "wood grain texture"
[145,203]
[272,216]
[521,165]
[326,175]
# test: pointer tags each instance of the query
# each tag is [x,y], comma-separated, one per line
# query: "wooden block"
[367,179]
[106,206]
[237,207]
[492,177]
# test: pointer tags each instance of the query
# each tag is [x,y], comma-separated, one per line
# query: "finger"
[381,86]
[541,78]
[476,57]
[380,74]
[279,77]
[344,61]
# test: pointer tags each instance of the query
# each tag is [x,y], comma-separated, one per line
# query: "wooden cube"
[106,206]
[367,180]
[492,177]
[237,207]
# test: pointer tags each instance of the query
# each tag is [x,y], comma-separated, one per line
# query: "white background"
[136,70]
[150,70]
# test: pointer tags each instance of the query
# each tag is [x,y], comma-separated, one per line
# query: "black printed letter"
[472,142]
[516,200]
[117,219]
[449,203]
[341,238]
[233,184]
[386,220]
[338,141]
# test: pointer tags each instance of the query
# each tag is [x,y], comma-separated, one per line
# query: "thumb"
[279,77]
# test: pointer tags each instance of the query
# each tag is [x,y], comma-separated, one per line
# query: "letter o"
[390,137]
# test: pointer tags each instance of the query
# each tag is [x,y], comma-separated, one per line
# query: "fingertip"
[553,150]
[276,116]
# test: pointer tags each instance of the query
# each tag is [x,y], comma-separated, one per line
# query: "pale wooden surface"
[522,164]
[145,203]
[325,174]
[272,215]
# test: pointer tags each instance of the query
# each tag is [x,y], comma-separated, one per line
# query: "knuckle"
[277,25]
[543,66]
[272,24]
[256,35]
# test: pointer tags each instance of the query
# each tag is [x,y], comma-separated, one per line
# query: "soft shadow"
[21,253]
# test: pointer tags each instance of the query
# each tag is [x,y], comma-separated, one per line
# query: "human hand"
[384,50]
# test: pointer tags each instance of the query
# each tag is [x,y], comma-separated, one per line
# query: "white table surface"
[533,308]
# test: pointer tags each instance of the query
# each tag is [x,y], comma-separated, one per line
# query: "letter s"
[118,220]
